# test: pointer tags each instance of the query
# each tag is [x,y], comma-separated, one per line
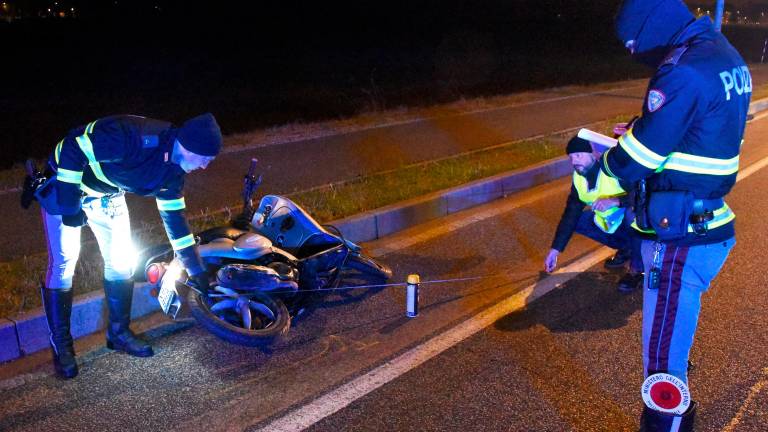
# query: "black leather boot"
[119,295]
[58,309]
[656,421]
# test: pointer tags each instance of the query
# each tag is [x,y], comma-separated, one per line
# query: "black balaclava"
[653,25]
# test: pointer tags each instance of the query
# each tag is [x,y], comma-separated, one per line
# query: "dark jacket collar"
[692,30]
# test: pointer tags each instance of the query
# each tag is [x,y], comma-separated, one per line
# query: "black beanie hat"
[653,25]
[201,135]
[578,145]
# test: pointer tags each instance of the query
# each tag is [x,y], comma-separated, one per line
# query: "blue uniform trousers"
[671,312]
[624,239]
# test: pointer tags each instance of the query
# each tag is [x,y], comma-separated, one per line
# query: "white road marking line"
[759,117]
[341,397]
[753,392]
[335,400]
[755,167]
[20,380]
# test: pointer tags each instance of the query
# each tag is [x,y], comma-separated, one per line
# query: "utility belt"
[103,197]
[672,215]
[41,187]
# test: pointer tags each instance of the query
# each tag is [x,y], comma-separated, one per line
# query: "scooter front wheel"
[253,319]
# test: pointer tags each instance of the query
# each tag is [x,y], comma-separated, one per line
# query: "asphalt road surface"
[569,362]
[304,164]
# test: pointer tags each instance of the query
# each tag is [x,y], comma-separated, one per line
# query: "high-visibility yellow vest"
[605,187]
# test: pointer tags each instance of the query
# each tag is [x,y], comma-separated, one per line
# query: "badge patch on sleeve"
[656,100]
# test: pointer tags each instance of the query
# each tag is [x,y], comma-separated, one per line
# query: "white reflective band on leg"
[183,242]
[171,205]
[69,176]
[676,421]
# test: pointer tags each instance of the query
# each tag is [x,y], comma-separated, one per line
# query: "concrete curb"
[384,221]
[89,315]
[28,332]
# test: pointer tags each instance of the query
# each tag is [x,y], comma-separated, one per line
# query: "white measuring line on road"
[335,400]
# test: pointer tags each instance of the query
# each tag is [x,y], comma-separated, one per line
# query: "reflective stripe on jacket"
[132,154]
[691,131]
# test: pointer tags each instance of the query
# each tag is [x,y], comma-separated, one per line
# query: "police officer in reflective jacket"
[91,169]
[684,154]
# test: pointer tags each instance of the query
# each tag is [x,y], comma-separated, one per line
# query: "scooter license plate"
[166,296]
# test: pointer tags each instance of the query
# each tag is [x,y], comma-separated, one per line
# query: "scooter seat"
[220,232]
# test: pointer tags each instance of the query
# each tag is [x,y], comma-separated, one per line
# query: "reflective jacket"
[574,205]
[605,187]
[691,130]
[131,154]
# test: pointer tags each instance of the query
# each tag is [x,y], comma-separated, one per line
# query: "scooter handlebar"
[252,168]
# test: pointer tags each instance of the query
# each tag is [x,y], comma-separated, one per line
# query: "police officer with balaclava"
[684,154]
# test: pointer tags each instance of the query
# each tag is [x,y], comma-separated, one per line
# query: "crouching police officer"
[89,172]
[684,153]
[605,222]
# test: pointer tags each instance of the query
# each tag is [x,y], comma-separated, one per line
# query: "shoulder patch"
[674,56]
[656,99]
[150,141]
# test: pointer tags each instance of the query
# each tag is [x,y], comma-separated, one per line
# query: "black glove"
[76,220]
[32,181]
[28,192]
[200,281]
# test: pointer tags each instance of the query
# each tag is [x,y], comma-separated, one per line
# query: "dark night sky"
[101,8]
[260,63]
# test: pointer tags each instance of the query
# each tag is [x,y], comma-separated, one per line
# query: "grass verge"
[12,177]
[19,279]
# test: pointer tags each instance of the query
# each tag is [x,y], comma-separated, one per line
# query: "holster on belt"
[670,213]
[640,206]
[33,181]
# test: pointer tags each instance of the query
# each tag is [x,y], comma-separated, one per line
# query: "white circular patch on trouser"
[666,393]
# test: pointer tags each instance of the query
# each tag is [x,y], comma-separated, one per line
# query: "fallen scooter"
[263,270]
